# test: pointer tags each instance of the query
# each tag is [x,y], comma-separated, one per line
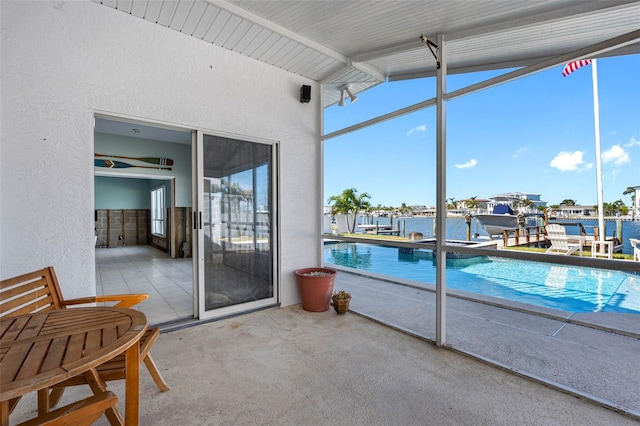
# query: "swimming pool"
[569,288]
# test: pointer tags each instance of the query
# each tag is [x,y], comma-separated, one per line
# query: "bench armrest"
[125,300]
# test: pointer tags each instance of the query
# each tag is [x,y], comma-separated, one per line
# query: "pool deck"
[589,355]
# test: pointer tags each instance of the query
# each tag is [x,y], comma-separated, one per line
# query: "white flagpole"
[596,113]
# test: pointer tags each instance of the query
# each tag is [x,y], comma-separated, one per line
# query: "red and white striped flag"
[572,66]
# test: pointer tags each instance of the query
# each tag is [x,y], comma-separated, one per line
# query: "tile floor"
[144,269]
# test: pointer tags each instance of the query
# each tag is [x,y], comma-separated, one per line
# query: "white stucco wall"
[61,61]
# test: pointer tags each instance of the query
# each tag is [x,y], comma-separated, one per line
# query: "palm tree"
[369,212]
[472,203]
[517,203]
[568,202]
[404,209]
[347,203]
[452,204]
[618,206]
[527,203]
[608,209]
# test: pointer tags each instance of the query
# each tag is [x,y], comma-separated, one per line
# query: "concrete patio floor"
[592,355]
[286,366]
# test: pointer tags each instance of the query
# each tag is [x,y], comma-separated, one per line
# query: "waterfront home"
[575,211]
[517,200]
[247,83]
[477,205]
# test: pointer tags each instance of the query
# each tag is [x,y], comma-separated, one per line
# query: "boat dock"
[519,236]
[534,236]
[379,229]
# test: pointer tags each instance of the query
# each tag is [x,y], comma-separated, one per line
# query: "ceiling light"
[346,88]
[351,95]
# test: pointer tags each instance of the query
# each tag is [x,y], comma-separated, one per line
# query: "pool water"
[569,288]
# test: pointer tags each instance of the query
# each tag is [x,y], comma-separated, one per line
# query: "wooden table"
[45,348]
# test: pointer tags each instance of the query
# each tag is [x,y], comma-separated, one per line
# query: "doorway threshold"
[180,324]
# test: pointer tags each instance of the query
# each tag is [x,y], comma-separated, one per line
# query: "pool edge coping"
[550,313]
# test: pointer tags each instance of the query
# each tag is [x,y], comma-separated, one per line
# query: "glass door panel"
[237,226]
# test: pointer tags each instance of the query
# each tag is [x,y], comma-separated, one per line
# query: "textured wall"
[64,61]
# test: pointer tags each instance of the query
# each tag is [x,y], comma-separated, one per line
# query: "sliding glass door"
[235,224]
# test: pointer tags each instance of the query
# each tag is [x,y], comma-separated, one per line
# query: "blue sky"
[533,135]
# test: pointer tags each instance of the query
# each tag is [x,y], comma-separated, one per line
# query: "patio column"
[441,197]
[321,140]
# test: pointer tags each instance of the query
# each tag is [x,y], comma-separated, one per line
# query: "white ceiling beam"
[585,52]
[369,70]
[592,50]
[336,75]
[511,24]
[231,8]
[544,18]
[518,63]
[389,50]
[617,51]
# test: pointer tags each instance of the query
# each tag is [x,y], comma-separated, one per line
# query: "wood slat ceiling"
[364,43]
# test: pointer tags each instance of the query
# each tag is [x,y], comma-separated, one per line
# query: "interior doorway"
[141,248]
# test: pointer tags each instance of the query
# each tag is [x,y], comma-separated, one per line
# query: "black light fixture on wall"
[305,94]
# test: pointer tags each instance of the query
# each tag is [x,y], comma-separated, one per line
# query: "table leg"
[44,405]
[132,385]
[98,386]
[4,413]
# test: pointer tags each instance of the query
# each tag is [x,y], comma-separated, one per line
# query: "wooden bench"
[38,291]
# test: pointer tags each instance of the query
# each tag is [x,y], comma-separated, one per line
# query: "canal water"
[457,228]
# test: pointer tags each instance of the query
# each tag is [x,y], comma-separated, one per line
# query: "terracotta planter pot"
[316,290]
[341,305]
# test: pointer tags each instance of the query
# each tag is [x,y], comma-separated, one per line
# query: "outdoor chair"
[39,291]
[557,236]
[80,413]
[636,248]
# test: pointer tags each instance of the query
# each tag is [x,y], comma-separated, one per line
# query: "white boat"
[502,219]
[496,224]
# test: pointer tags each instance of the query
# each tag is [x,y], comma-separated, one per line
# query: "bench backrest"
[33,292]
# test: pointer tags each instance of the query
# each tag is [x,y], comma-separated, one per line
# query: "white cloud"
[521,151]
[468,165]
[632,142]
[615,155]
[421,128]
[570,162]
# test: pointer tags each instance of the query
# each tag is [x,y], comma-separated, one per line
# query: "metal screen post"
[441,197]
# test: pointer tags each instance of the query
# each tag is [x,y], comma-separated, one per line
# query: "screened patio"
[330,46]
